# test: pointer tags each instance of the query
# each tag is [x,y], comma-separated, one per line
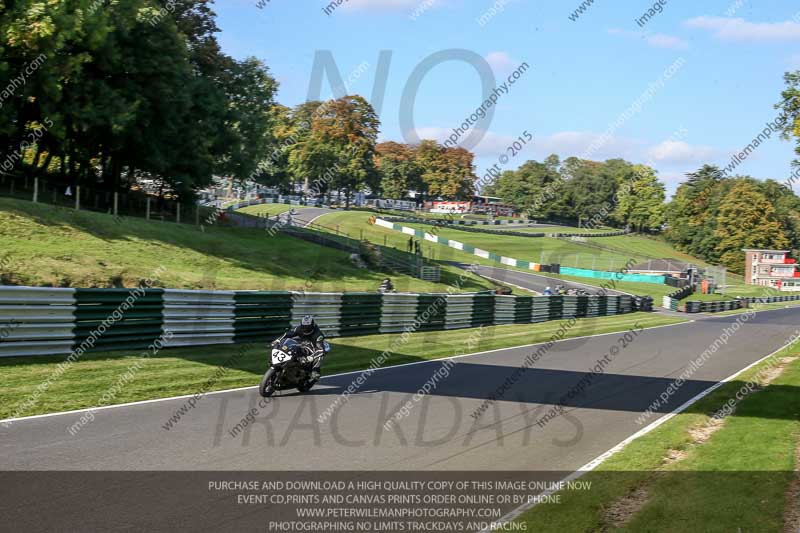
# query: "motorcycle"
[292,362]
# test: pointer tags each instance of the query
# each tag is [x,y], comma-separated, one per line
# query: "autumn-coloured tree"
[746,220]
[398,169]
[448,173]
[339,148]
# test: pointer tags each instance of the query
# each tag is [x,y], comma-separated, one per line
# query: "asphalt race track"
[534,282]
[306,215]
[437,433]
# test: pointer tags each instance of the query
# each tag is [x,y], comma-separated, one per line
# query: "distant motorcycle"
[292,362]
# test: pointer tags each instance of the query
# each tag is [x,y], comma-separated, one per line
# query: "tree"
[448,173]
[398,169]
[135,88]
[589,191]
[250,91]
[691,216]
[790,109]
[338,149]
[640,201]
[746,220]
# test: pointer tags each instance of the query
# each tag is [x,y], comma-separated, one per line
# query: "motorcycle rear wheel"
[267,387]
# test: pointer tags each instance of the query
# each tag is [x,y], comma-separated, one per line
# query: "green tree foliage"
[640,200]
[692,213]
[129,89]
[398,169]
[335,146]
[746,219]
[790,108]
[447,173]
[714,217]
[523,186]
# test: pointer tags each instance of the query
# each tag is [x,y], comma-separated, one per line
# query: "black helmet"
[307,325]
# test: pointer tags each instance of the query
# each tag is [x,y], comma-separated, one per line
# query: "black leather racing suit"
[315,338]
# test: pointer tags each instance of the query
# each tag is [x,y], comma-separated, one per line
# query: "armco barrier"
[727,305]
[36,321]
[50,321]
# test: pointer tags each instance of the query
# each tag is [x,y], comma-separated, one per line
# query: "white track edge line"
[210,393]
[597,461]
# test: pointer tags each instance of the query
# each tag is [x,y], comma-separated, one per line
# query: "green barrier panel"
[601,305]
[625,304]
[541,308]
[434,308]
[118,318]
[582,306]
[556,307]
[360,314]
[523,310]
[483,310]
[261,315]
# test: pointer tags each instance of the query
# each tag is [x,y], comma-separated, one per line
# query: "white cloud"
[662,40]
[681,153]
[669,154]
[656,40]
[501,62]
[666,153]
[738,29]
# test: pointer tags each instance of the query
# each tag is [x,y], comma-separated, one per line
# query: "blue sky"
[585,77]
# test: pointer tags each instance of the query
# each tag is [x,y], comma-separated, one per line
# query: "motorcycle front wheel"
[267,387]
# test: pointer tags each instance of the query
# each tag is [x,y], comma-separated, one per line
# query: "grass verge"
[734,478]
[42,245]
[611,255]
[179,371]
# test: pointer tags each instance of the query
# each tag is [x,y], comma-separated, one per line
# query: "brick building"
[771,268]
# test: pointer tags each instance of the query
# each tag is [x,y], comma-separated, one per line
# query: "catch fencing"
[51,321]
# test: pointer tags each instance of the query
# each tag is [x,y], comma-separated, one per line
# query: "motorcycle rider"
[308,331]
[386,286]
